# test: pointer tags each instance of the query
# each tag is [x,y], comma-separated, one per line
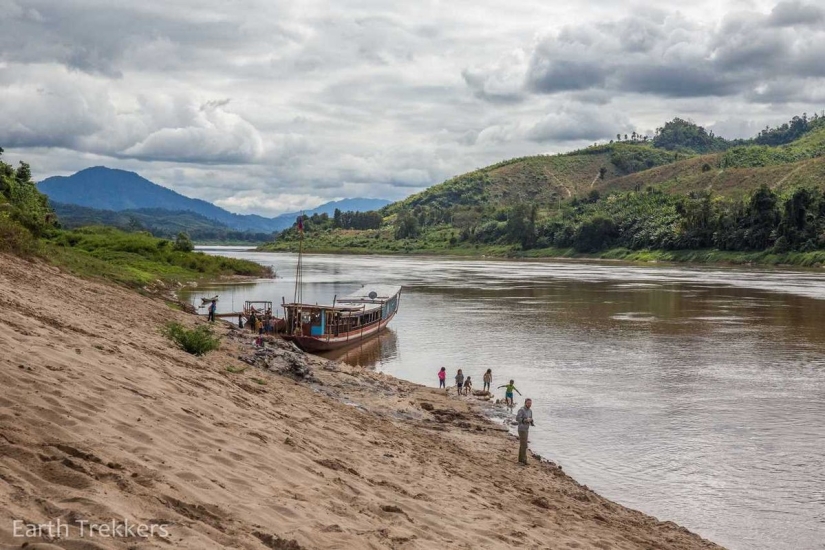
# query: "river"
[696,395]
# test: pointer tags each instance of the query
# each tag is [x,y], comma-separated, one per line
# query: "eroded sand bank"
[102,418]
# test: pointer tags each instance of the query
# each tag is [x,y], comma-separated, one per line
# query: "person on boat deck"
[442,378]
[488,379]
[459,382]
[524,419]
[508,392]
[468,386]
[212,307]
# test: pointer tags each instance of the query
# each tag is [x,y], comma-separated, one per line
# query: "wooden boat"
[348,321]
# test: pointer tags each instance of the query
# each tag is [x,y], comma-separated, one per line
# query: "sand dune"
[102,419]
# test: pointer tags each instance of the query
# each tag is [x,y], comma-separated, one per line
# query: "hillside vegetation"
[160,222]
[682,189]
[29,227]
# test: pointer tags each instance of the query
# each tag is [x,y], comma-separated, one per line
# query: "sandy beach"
[102,420]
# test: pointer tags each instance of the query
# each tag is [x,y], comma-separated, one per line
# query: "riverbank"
[813,259]
[103,419]
[138,260]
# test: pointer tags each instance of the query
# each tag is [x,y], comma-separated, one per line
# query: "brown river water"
[696,395]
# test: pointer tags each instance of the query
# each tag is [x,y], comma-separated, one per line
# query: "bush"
[15,238]
[595,234]
[183,243]
[198,341]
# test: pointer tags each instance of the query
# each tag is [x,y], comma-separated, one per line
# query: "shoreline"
[641,257]
[105,420]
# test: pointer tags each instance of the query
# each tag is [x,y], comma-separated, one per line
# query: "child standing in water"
[508,393]
[459,382]
[442,378]
[488,379]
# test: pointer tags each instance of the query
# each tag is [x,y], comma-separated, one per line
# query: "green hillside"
[683,189]
[157,221]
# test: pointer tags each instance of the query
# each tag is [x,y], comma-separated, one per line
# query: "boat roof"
[361,300]
[371,293]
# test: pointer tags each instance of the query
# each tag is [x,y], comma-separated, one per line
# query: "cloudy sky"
[268,106]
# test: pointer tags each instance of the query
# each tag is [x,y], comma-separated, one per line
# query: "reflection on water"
[696,395]
[368,353]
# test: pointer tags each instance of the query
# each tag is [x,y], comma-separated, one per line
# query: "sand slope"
[101,418]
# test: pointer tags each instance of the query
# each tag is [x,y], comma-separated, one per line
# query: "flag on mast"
[301,223]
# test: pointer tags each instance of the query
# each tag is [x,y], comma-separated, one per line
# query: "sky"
[267,106]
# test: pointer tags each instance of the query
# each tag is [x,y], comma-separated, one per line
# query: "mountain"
[107,189]
[161,223]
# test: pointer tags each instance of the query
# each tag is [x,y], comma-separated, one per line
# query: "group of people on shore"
[464,386]
[524,418]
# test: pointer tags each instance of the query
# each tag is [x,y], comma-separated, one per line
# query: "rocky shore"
[103,421]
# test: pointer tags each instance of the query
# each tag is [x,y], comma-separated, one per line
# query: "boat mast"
[298,296]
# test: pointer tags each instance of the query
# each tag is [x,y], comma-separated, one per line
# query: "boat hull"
[325,343]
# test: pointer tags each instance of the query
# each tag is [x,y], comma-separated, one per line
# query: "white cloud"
[269,105]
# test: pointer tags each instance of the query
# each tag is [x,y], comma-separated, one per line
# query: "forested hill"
[682,157]
[682,188]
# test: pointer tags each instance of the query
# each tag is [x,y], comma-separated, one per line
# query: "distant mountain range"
[107,189]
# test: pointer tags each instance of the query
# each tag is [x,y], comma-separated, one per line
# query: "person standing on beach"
[488,379]
[524,419]
[459,382]
[442,378]
[508,393]
[212,307]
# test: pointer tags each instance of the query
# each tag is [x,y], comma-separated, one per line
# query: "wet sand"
[102,418]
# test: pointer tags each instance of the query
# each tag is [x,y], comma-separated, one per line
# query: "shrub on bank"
[15,238]
[197,341]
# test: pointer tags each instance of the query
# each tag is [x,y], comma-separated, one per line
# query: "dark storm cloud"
[793,13]
[97,37]
[671,81]
[669,56]
[559,75]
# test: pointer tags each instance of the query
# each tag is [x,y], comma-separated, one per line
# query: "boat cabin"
[349,316]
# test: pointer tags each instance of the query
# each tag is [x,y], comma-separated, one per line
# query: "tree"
[406,226]
[336,218]
[762,218]
[23,173]
[183,243]
[595,234]
[680,133]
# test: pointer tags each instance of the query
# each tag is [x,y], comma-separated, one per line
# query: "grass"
[235,370]
[707,256]
[137,259]
[197,341]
